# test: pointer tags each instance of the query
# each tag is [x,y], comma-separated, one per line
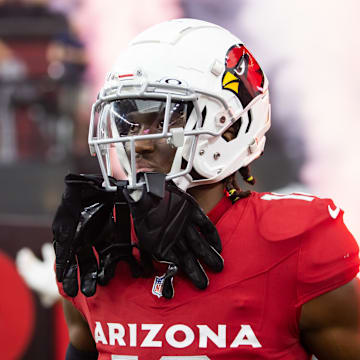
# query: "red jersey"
[279,252]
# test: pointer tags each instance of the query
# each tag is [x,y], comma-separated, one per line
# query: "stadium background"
[53,58]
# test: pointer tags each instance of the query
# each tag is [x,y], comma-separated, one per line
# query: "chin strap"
[183,182]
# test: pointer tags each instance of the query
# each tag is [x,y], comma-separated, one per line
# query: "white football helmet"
[199,80]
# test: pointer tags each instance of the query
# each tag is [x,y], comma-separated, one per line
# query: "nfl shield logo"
[158,285]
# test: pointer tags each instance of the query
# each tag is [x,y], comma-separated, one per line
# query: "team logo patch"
[243,75]
[158,285]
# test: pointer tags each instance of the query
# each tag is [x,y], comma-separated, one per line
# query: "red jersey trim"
[341,278]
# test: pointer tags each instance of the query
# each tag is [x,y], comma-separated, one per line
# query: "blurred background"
[54,55]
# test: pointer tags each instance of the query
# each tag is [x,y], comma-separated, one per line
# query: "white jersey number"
[273,196]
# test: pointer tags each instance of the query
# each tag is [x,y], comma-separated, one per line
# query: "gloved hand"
[85,219]
[39,274]
[171,226]
[114,244]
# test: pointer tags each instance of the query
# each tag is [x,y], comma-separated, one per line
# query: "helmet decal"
[243,75]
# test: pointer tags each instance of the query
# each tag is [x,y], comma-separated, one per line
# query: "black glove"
[84,219]
[171,226]
[114,244]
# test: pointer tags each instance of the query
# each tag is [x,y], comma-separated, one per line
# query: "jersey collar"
[219,209]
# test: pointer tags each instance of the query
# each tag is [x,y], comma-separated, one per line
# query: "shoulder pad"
[281,217]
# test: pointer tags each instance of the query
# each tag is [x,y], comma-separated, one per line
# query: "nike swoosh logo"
[334,212]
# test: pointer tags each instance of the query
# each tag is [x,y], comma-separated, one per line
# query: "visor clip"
[177,137]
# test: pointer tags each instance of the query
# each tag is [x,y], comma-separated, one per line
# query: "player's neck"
[208,196]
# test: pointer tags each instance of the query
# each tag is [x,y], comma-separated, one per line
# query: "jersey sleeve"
[328,258]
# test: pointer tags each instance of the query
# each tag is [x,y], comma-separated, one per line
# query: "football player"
[187,101]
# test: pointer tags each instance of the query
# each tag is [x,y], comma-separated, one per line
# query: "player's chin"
[144,170]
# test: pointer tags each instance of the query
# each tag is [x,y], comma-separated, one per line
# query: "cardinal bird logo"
[243,75]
